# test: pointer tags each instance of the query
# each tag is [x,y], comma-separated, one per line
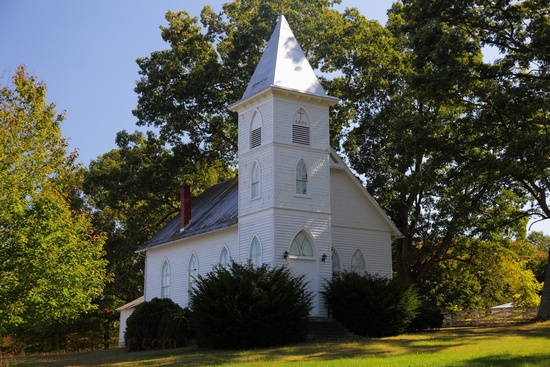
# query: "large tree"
[417,146]
[134,192]
[51,264]
[185,89]
[518,108]
[408,121]
[510,103]
[500,274]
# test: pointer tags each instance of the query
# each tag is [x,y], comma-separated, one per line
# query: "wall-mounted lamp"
[324,257]
[285,255]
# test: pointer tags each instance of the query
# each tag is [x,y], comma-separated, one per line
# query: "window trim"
[255,130]
[301,166]
[333,254]
[192,273]
[301,131]
[225,249]
[301,246]
[362,256]
[255,240]
[165,278]
[255,186]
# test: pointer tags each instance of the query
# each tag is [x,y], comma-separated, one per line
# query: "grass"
[519,345]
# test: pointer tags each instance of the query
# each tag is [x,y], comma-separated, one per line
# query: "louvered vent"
[300,134]
[256,138]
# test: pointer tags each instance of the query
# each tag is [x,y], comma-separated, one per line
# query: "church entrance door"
[309,268]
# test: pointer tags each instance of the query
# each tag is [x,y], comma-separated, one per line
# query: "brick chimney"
[185,205]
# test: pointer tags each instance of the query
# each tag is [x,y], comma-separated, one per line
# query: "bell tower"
[284,163]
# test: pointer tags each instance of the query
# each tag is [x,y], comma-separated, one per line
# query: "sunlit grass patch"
[519,345]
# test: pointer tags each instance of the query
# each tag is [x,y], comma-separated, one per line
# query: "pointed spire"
[283,64]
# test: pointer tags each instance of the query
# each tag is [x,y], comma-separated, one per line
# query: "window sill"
[301,196]
[306,258]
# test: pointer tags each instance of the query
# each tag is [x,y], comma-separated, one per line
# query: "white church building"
[295,203]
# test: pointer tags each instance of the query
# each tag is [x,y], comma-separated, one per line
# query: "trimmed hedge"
[371,305]
[243,306]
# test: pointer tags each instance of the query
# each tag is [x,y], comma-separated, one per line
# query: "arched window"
[193,271]
[225,259]
[358,263]
[301,178]
[255,253]
[301,246]
[165,280]
[255,181]
[335,260]
[300,128]
[256,130]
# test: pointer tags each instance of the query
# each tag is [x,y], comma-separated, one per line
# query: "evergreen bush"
[371,305]
[175,325]
[157,324]
[243,306]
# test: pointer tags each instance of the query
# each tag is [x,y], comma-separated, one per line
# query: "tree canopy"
[452,145]
[506,99]
[51,264]
[134,191]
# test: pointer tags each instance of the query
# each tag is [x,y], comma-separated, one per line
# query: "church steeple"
[284,65]
[284,161]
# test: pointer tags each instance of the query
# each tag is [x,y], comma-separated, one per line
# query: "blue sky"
[85,51]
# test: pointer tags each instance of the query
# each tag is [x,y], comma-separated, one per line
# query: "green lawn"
[521,345]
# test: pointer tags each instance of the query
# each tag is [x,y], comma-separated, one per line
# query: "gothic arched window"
[301,246]
[256,130]
[300,128]
[335,261]
[358,263]
[165,280]
[225,259]
[255,181]
[301,178]
[193,271]
[255,253]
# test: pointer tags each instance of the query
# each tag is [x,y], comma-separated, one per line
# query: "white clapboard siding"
[259,224]
[207,248]
[265,111]
[318,192]
[263,157]
[350,207]
[288,223]
[318,115]
[375,246]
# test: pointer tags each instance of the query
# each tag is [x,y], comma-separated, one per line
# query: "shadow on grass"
[527,330]
[356,348]
[420,343]
[194,356]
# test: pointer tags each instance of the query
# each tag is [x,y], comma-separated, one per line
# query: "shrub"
[371,305]
[243,307]
[159,323]
[428,317]
[176,325]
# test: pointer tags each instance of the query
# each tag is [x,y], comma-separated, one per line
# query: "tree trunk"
[544,309]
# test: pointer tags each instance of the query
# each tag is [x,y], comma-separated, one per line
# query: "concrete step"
[320,329]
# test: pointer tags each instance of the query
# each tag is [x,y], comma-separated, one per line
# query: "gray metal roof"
[216,208]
